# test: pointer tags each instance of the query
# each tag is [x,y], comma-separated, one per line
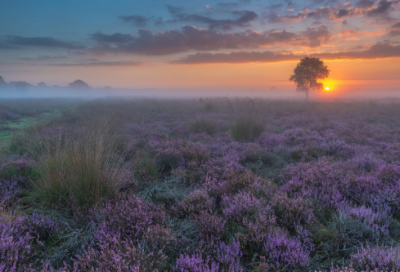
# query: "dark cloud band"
[41,42]
[379,50]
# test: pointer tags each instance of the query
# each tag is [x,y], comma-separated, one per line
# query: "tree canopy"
[79,84]
[307,73]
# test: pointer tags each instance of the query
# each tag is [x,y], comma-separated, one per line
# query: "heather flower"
[14,168]
[367,162]
[241,205]
[195,202]
[194,263]
[16,249]
[292,211]
[115,254]
[271,141]
[128,218]
[263,189]
[378,221]
[39,226]
[284,250]
[228,256]
[377,258]
[332,148]
[209,225]
[230,182]
[256,231]
[158,237]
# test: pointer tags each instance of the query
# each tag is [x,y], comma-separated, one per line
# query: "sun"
[326,88]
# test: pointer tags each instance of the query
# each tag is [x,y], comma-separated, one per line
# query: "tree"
[307,72]
[21,85]
[2,80]
[79,84]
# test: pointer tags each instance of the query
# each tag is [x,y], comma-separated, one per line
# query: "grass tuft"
[203,124]
[82,171]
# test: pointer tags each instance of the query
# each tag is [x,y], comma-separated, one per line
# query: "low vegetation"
[168,185]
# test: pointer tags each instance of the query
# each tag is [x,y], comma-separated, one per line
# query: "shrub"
[195,263]
[231,181]
[18,167]
[39,226]
[271,141]
[117,255]
[196,201]
[16,250]
[127,218]
[290,212]
[284,250]
[203,124]
[241,205]
[377,221]
[367,162]
[229,256]
[377,258]
[256,232]
[11,190]
[209,225]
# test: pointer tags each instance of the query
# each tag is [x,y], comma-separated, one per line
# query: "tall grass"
[203,124]
[247,122]
[82,170]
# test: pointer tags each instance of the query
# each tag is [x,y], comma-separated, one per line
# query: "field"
[199,185]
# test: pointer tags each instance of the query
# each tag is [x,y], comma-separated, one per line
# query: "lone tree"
[79,84]
[307,72]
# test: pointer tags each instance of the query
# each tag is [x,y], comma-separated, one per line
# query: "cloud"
[314,36]
[135,19]
[383,8]
[7,46]
[41,42]
[379,50]
[342,13]
[396,25]
[227,5]
[45,57]
[364,4]
[99,63]
[189,38]
[317,14]
[235,57]
[276,6]
[273,17]
[243,20]
[394,33]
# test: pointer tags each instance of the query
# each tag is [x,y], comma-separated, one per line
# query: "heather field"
[199,185]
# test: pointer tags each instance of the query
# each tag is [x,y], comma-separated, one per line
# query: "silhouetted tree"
[307,72]
[2,82]
[21,85]
[42,84]
[79,84]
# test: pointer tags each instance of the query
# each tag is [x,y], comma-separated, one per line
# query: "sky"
[232,46]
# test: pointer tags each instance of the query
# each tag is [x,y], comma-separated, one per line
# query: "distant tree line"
[21,85]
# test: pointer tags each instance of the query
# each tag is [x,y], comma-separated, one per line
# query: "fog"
[14,91]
